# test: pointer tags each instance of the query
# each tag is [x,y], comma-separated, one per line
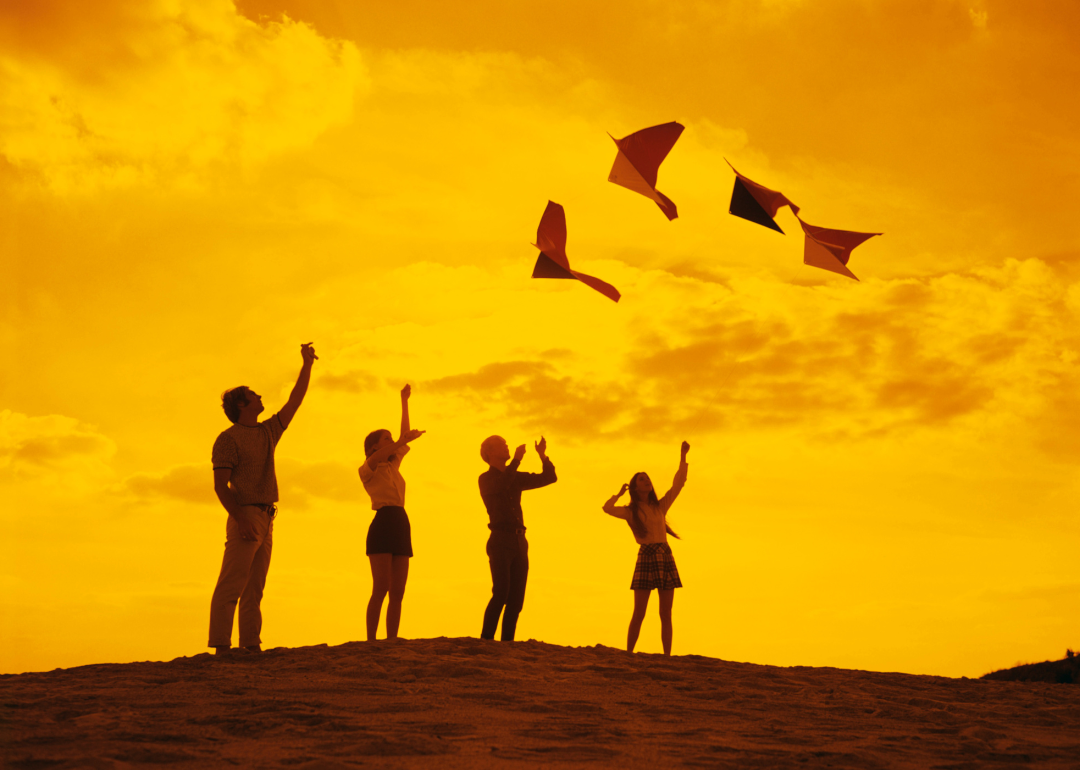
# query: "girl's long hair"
[637,518]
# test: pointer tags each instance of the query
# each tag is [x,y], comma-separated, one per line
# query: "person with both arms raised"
[508,550]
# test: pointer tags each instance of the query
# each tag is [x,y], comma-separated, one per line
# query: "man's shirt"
[501,491]
[248,451]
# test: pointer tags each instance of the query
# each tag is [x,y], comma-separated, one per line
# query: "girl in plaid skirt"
[655,568]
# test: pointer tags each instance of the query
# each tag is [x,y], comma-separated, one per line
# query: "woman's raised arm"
[618,511]
[678,482]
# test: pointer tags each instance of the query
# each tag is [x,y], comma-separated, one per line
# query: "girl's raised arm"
[679,481]
[618,511]
[405,393]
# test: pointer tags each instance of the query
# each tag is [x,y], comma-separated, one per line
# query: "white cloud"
[183,89]
[54,447]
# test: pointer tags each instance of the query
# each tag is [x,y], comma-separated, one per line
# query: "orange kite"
[830,249]
[756,203]
[552,262]
[638,162]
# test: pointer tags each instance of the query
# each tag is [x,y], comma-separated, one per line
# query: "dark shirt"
[501,491]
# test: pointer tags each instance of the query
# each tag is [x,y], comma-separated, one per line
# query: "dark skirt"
[655,568]
[390,532]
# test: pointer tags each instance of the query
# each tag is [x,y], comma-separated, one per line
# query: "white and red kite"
[638,162]
[552,262]
[830,249]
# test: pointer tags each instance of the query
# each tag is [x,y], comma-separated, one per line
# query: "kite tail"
[603,287]
[668,206]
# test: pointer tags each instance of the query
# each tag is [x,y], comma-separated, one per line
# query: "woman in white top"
[655,566]
[389,538]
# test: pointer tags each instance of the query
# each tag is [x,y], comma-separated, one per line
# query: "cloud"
[538,397]
[187,483]
[140,93]
[353,381]
[299,481]
[869,360]
[52,446]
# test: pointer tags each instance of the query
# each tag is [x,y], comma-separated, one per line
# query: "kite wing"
[830,249]
[757,203]
[552,262]
[638,162]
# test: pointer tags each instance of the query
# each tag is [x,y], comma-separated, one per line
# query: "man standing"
[508,550]
[246,485]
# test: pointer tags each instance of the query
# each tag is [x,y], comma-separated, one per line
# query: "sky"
[883,473]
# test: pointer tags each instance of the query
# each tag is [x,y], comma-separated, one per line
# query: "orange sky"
[883,473]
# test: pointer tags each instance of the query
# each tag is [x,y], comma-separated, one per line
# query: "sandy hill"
[468,703]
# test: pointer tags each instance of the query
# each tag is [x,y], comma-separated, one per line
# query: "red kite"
[638,161]
[552,262]
[830,249]
[759,204]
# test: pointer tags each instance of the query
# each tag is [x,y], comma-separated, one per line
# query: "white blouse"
[385,484]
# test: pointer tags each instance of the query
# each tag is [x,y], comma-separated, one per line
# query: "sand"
[469,703]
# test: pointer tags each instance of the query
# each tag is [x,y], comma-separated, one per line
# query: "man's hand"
[519,453]
[685,449]
[246,525]
[307,352]
[541,447]
[406,392]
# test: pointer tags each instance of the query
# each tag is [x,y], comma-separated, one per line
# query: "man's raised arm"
[300,388]
[542,479]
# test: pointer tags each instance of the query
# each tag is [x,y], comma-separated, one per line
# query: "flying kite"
[830,249]
[552,262]
[759,204]
[638,161]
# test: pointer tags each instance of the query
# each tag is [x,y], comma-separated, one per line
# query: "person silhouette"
[246,485]
[501,486]
[655,568]
[389,537]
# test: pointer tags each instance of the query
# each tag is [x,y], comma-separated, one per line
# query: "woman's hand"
[623,491]
[411,435]
[685,449]
[406,392]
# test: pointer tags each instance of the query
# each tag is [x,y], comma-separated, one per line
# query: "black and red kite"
[830,249]
[638,162]
[552,262]
[757,203]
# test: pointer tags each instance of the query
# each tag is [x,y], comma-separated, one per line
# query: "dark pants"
[508,555]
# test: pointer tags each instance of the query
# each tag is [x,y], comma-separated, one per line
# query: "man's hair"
[231,401]
[487,445]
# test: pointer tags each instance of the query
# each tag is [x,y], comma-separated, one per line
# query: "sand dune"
[469,703]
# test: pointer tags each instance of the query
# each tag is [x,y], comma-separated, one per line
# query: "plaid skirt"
[655,568]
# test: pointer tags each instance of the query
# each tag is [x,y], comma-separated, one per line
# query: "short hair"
[487,445]
[231,401]
[372,440]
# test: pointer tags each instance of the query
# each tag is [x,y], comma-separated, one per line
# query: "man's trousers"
[508,556]
[243,576]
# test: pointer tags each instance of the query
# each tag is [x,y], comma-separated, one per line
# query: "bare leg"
[641,603]
[667,598]
[399,575]
[381,570]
